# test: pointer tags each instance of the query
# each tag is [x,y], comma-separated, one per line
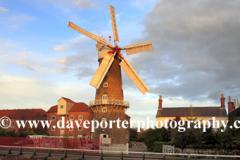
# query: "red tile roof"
[127,116]
[53,109]
[24,114]
[68,100]
[80,107]
[200,111]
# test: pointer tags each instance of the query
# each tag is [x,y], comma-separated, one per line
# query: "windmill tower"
[109,102]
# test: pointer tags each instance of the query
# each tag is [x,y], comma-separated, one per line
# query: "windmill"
[109,103]
[109,52]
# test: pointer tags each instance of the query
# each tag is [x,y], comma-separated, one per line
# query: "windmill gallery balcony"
[109,102]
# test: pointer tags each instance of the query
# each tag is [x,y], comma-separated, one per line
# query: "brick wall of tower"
[114,80]
[113,91]
[118,135]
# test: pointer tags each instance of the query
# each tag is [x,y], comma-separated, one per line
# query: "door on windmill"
[104,139]
[104,99]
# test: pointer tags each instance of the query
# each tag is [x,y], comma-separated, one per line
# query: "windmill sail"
[114,25]
[132,74]
[132,49]
[102,70]
[96,38]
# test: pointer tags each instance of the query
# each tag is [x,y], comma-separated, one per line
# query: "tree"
[133,134]
[230,138]
[169,130]
[141,136]
[5,133]
[209,137]
[153,135]
[191,136]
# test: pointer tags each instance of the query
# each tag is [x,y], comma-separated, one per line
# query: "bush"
[130,144]
[158,146]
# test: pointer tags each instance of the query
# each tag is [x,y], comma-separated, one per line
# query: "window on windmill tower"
[53,128]
[104,97]
[71,117]
[104,109]
[104,119]
[105,84]
[61,106]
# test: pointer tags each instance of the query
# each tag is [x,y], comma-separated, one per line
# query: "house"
[202,113]
[69,110]
[21,114]
[233,109]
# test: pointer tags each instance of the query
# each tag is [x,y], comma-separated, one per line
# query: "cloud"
[63,61]
[83,4]
[81,65]
[14,21]
[20,62]
[2,9]
[23,92]
[59,48]
[79,4]
[36,62]
[196,50]
[141,4]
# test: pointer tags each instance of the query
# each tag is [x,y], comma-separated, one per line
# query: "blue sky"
[195,56]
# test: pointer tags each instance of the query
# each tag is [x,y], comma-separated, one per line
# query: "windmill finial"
[110,41]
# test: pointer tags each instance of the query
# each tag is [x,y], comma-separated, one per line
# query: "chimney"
[222,101]
[160,103]
[230,106]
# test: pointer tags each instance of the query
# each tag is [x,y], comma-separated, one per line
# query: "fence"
[134,144]
[110,102]
[102,154]
[168,149]
[51,142]
[115,147]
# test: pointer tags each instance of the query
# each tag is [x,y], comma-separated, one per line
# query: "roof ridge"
[194,107]
[21,109]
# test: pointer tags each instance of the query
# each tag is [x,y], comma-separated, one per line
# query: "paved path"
[138,149]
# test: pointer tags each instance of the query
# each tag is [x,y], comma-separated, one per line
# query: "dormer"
[64,105]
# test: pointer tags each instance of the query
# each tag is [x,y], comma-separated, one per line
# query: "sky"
[195,56]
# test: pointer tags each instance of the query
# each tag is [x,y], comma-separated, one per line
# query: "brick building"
[233,109]
[22,114]
[203,113]
[69,110]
